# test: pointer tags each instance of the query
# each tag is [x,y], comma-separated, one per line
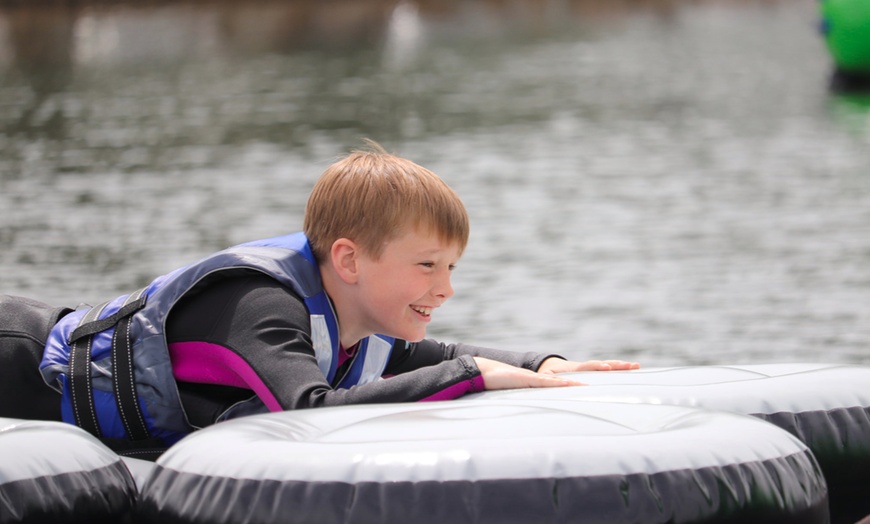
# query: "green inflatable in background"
[846,28]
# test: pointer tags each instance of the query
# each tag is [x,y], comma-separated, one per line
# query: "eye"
[451,267]
[429,265]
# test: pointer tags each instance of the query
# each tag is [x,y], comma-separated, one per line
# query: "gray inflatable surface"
[647,446]
[54,472]
[504,462]
[826,406]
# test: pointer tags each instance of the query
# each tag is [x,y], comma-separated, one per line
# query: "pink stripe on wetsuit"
[207,363]
[457,390]
[449,393]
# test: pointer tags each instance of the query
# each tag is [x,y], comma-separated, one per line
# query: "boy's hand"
[498,375]
[558,365]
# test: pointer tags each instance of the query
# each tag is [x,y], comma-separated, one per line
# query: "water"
[665,181]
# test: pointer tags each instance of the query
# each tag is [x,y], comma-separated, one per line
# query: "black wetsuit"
[268,326]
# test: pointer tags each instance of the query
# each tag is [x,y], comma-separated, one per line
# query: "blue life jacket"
[122,387]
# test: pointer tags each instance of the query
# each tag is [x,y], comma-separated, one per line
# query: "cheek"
[393,291]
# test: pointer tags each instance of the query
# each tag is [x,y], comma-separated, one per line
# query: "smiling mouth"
[425,311]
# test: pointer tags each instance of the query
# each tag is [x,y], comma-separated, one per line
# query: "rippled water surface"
[668,181]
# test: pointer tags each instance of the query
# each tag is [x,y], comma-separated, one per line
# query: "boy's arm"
[268,326]
[409,356]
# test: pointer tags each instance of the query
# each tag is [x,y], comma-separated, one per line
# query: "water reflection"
[38,44]
[116,33]
[666,179]
[172,75]
[852,112]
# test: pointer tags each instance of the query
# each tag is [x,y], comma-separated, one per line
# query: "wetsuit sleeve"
[268,326]
[409,356]
[407,359]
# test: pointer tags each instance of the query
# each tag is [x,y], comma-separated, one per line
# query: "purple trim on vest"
[206,363]
[344,354]
[457,390]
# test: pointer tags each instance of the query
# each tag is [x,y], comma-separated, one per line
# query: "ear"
[344,256]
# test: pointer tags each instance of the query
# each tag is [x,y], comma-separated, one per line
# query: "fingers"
[542,380]
[497,375]
[622,364]
[610,365]
[606,365]
[557,365]
[552,381]
[530,379]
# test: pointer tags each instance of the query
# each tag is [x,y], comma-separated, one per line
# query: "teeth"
[425,311]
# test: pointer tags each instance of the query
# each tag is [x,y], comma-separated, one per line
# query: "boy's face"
[402,288]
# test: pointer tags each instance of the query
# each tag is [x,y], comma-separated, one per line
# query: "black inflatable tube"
[52,472]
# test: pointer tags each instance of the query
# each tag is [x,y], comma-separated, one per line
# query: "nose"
[443,288]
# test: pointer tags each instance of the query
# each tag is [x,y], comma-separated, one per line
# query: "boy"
[333,316]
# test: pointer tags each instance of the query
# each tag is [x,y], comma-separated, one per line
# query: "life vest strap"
[123,381]
[81,392]
[93,326]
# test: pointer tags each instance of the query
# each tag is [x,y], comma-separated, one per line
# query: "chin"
[407,331]
[415,336]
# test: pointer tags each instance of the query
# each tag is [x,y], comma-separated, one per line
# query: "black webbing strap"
[80,377]
[123,383]
[94,326]
[122,375]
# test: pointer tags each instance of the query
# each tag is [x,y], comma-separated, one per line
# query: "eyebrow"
[429,252]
